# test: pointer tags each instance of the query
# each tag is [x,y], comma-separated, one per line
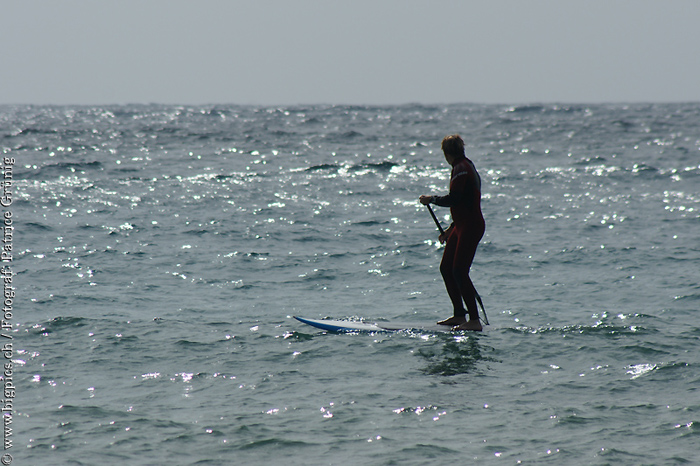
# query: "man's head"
[453,148]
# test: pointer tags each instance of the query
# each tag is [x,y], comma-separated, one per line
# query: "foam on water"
[162,250]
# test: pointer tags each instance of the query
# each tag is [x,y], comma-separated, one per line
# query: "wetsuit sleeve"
[458,192]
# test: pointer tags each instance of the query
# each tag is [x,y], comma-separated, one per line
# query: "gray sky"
[281,52]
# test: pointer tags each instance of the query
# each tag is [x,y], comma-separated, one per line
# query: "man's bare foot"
[471,325]
[454,320]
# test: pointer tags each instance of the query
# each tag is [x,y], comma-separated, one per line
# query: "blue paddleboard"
[350,326]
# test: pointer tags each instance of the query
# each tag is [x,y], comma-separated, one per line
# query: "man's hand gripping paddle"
[442,232]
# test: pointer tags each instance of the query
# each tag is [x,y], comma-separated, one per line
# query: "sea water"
[160,252]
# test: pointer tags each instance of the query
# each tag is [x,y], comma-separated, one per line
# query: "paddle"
[442,232]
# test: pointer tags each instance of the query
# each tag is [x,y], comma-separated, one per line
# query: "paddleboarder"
[463,235]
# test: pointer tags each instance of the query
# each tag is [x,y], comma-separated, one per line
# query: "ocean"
[158,254]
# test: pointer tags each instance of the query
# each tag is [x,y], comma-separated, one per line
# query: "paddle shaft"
[437,222]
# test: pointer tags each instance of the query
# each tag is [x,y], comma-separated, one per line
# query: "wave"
[62,168]
[37,227]
[526,109]
[383,166]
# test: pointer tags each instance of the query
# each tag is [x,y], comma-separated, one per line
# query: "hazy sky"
[282,52]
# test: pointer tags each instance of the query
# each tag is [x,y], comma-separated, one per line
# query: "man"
[463,236]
